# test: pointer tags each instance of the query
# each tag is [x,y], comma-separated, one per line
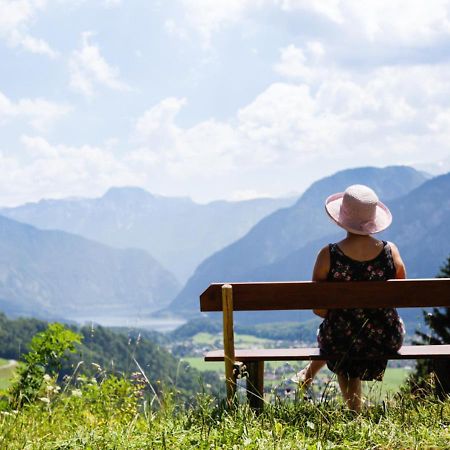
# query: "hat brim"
[382,219]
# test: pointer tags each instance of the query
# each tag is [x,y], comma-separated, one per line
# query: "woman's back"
[361,248]
[366,332]
[367,267]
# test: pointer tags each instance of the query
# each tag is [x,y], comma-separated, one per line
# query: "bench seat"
[304,295]
[313,353]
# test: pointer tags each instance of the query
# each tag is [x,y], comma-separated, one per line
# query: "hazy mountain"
[283,245]
[176,231]
[54,274]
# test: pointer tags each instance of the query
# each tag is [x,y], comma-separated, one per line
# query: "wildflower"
[76,393]
[44,399]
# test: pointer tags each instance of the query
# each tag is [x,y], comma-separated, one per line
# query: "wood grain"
[312,353]
[228,340]
[326,295]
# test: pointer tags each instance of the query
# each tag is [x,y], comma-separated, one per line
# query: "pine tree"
[438,322]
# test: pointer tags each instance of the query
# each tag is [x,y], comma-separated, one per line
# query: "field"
[393,378]
[106,417]
[240,340]
[122,413]
[6,372]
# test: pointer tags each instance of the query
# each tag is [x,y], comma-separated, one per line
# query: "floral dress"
[365,332]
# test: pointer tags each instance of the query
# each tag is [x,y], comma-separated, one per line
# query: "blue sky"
[217,98]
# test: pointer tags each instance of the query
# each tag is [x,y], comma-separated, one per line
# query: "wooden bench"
[232,297]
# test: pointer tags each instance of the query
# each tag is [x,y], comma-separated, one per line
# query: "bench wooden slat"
[312,353]
[326,295]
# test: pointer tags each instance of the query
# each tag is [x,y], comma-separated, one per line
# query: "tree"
[438,322]
[46,351]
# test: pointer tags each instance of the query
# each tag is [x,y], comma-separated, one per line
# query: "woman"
[358,257]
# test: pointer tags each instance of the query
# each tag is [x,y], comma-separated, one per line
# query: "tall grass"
[113,414]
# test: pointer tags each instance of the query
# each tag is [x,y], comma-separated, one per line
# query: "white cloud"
[56,171]
[322,117]
[15,19]
[40,113]
[181,152]
[112,3]
[400,22]
[300,64]
[210,16]
[89,68]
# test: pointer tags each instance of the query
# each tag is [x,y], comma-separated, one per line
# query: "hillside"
[53,274]
[115,352]
[284,244]
[176,231]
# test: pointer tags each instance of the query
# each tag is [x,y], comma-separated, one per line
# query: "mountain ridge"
[175,230]
[52,273]
[283,232]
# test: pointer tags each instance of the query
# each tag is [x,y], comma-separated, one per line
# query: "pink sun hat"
[358,210]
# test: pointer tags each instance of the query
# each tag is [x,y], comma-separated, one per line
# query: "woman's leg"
[306,375]
[351,391]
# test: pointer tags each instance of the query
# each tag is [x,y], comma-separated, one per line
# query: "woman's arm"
[400,270]
[320,273]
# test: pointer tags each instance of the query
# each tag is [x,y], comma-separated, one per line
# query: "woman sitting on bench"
[358,257]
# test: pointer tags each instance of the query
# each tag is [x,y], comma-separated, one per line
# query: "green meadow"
[6,373]
[127,412]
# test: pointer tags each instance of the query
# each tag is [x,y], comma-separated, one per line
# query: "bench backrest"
[328,295]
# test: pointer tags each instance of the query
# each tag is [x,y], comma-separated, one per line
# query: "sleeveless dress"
[366,332]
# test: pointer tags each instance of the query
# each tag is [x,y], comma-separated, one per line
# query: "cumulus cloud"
[318,116]
[320,111]
[15,19]
[400,22]
[301,64]
[182,152]
[88,68]
[40,113]
[407,21]
[207,17]
[55,170]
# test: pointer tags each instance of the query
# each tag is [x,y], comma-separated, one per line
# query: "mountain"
[421,227]
[54,274]
[283,245]
[176,231]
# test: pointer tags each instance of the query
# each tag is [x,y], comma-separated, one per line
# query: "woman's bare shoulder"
[394,249]
[398,262]
[322,265]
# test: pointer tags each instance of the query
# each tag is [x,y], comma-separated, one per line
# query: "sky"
[217,99]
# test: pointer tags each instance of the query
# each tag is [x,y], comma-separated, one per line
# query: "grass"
[112,414]
[239,340]
[393,378]
[402,422]
[6,374]
[198,363]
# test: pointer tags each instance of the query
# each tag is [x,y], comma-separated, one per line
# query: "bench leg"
[230,380]
[255,384]
[228,341]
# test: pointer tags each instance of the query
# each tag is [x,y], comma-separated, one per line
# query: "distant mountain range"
[54,274]
[177,232]
[283,245]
